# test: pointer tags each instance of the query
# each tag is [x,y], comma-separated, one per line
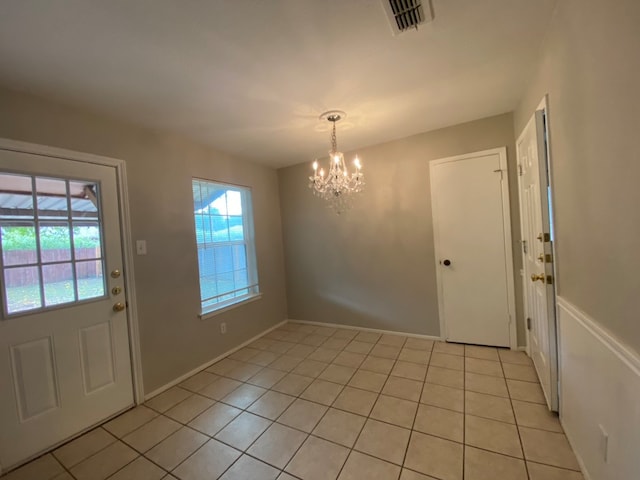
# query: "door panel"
[35,384]
[469,233]
[64,352]
[537,254]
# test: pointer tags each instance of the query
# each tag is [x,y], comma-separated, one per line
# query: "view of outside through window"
[226,257]
[51,242]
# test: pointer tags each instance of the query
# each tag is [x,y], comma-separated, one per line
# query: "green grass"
[27,297]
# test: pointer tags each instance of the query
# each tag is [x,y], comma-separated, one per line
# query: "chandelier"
[336,186]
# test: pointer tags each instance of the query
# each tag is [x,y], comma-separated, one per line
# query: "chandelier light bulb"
[338,187]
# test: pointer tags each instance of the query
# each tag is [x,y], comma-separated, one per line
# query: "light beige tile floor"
[320,403]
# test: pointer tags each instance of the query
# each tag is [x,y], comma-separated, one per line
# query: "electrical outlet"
[604,444]
[223,328]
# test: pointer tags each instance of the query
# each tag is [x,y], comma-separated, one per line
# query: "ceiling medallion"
[337,186]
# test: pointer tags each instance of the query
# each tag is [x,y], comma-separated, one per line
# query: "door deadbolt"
[115,273]
[544,237]
[116,290]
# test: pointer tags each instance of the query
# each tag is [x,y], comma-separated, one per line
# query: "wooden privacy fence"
[87,265]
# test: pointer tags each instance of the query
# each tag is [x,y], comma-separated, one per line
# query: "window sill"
[225,308]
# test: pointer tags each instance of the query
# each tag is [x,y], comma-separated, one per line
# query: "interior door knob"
[540,277]
[118,307]
[446,262]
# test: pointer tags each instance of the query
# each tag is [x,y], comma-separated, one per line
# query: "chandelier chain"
[334,140]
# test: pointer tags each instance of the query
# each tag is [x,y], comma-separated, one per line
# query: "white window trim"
[225,308]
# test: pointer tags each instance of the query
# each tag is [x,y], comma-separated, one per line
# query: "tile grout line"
[464,413]
[524,457]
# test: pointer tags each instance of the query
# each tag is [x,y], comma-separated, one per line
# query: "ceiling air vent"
[407,14]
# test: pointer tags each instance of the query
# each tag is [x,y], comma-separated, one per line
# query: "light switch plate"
[141,247]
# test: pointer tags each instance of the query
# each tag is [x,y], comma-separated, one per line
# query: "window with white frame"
[226,246]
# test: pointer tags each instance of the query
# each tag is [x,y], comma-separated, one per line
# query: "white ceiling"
[250,77]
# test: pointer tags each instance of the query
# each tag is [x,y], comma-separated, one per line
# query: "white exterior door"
[472,234]
[537,254]
[64,343]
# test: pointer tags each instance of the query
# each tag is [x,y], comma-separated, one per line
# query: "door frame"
[127,243]
[554,341]
[508,250]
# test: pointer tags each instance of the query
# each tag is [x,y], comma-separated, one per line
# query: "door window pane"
[55,242]
[59,285]
[19,245]
[86,241]
[52,197]
[52,255]
[90,279]
[22,289]
[84,199]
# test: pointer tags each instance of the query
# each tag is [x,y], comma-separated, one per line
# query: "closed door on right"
[472,237]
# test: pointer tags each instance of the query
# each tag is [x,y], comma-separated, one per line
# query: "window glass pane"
[22,287]
[220,228]
[224,259]
[52,197]
[217,201]
[239,257]
[84,199]
[16,197]
[234,202]
[90,279]
[58,284]
[208,288]
[55,242]
[241,278]
[225,282]
[19,245]
[202,224]
[236,231]
[86,241]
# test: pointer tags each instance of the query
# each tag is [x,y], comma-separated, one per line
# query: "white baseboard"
[599,391]
[182,378]
[364,329]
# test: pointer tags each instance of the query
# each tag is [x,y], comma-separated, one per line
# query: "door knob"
[118,307]
[540,277]
[447,262]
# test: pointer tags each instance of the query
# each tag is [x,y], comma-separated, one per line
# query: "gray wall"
[160,167]
[590,68]
[374,265]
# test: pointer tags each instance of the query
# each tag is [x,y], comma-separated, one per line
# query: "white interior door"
[537,251]
[472,233]
[64,343]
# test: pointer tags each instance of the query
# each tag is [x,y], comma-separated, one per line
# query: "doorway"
[65,336]
[472,237]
